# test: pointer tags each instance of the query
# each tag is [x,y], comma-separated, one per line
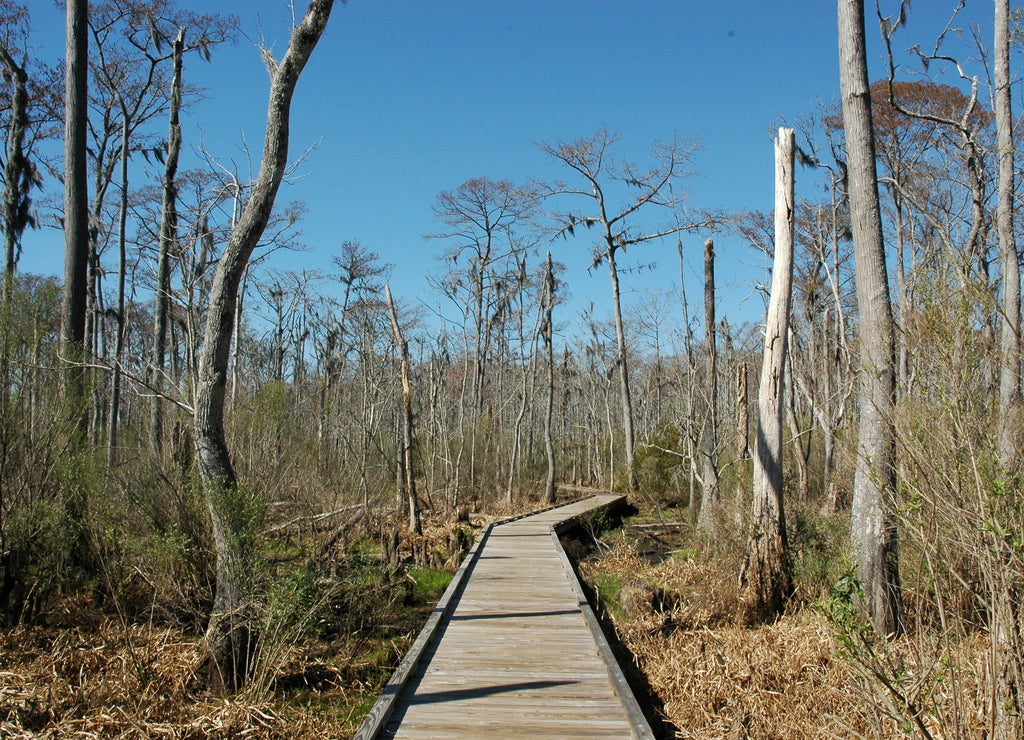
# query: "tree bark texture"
[873,528]
[76,209]
[766,575]
[1009,376]
[1005,593]
[229,642]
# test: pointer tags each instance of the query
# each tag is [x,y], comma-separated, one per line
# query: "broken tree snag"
[766,576]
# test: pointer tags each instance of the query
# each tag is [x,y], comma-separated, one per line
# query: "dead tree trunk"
[622,360]
[546,332]
[711,495]
[527,379]
[120,320]
[766,576]
[407,435]
[230,643]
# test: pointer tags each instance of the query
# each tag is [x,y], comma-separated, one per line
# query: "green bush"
[818,548]
[657,467]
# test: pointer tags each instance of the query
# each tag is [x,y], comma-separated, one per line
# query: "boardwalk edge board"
[641,728]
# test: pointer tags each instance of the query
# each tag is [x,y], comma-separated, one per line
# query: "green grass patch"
[608,586]
[428,584]
[687,553]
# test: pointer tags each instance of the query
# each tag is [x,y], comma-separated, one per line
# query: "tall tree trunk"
[17,181]
[1005,648]
[1009,376]
[625,395]
[873,529]
[168,244]
[19,176]
[114,417]
[407,434]
[711,495]
[229,641]
[766,575]
[546,333]
[76,211]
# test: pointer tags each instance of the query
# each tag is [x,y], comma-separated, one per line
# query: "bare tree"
[359,271]
[205,31]
[873,528]
[229,640]
[526,361]
[484,220]
[592,162]
[132,39]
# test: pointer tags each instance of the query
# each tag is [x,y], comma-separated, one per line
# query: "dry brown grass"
[81,672]
[139,682]
[717,679]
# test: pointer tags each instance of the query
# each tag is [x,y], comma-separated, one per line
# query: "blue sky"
[408,98]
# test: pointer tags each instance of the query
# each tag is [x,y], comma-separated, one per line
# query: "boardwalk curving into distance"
[512,649]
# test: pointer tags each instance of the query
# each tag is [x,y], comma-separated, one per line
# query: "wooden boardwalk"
[512,650]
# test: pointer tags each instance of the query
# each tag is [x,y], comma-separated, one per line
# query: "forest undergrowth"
[334,629]
[125,665]
[671,598]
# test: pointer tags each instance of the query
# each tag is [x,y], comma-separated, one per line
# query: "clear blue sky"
[411,97]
